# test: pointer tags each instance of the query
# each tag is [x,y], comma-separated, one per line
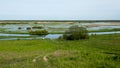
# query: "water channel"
[49,36]
[13,27]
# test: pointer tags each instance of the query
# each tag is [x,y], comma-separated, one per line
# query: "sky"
[59,9]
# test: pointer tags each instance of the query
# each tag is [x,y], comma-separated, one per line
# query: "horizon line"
[64,20]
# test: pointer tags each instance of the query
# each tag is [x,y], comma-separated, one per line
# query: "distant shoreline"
[59,20]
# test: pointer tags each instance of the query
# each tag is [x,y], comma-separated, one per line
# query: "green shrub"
[28,28]
[37,27]
[76,33]
[19,28]
[38,32]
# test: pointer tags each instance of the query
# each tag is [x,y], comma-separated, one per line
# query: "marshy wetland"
[55,29]
[20,49]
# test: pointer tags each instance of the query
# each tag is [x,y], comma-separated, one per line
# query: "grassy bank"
[101,51]
[17,37]
[105,30]
[14,32]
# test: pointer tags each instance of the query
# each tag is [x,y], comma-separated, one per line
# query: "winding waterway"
[49,36]
[51,27]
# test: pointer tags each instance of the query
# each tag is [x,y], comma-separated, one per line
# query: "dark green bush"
[76,33]
[19,28]
[28,28]
[37,27]
[38,32]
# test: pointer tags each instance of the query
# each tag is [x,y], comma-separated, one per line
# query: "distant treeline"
[59,20]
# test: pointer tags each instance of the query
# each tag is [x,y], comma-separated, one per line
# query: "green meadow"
[100,51]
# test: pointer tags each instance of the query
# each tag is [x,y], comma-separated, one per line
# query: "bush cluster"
[37,27]
[28,28]
[76,33]
[39,32]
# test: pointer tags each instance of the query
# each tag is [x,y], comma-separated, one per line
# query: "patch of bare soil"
[115,24]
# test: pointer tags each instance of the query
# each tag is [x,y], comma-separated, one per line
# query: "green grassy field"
[17,37]
[100,51]
[105,30]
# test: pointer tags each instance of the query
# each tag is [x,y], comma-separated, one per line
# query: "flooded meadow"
[10,31]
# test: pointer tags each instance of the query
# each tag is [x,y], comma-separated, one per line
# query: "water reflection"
[3,34]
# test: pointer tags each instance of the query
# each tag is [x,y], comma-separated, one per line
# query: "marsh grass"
[17,37]
[105,30]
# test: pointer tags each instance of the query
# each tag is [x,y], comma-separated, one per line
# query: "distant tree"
[75,33]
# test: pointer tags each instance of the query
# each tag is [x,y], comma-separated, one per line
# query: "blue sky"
[59,9]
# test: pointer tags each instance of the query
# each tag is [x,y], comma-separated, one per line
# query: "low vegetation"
[38,32]
[28,28]
[3,37]
[4,23]
[105,30]
[100,51]
[19,28]
[37,27]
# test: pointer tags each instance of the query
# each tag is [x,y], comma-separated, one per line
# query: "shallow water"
[3,34]
[14,27]
[103,27]
[101,33]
